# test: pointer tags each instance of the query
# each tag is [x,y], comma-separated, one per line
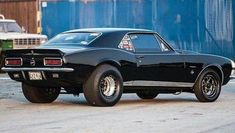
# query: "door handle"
[140,57]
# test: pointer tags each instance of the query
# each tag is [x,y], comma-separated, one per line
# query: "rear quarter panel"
[123,60]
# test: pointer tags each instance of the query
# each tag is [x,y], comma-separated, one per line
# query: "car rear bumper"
[13,69]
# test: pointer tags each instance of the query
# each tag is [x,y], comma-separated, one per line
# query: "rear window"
[73,39]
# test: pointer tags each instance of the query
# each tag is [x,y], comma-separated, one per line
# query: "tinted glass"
[126,44]
[164,47]
[10,27]
[73,39]
[2,27]
[13,27]
[145,43]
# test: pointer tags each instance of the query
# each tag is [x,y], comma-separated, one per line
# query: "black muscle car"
[103,63]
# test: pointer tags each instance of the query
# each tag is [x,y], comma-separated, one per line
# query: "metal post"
[233,10]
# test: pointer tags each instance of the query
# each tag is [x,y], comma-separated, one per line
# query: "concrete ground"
[167,113]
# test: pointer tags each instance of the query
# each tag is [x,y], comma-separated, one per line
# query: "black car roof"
[106,30]
[111,37]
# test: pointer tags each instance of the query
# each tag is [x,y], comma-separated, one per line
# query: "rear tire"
[208,86]
[40,95]
[104,87]
[147,94]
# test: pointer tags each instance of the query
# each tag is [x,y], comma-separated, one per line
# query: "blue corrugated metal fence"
[205,26]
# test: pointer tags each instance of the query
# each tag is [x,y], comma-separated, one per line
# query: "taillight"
[52,62]
[13,62]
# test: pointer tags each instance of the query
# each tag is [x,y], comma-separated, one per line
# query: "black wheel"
[208,86]
[104,87]
[147,94]
[40,95]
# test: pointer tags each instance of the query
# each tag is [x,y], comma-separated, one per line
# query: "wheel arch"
[110,62]
[92,90]
[217,68]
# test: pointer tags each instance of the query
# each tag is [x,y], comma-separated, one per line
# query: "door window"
[145,43]
[163,45]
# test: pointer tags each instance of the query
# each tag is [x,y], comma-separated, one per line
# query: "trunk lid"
[33,57]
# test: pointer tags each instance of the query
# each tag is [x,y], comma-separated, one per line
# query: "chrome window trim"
[158,83]
[157,37]
[13,69]
[150,33]
[166,43]
[160,43]
[133,32]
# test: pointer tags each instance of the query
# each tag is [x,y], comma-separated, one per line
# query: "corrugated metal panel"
[23,11]
[205,26]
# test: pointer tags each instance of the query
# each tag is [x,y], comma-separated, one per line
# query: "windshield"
[10,27]
[73,39]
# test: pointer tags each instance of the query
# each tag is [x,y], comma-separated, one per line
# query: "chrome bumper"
[233,69]
[232,75]
[13,69]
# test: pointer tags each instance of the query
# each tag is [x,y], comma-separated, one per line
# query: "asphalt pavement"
[165,114]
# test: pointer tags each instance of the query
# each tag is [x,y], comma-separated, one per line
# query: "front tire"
[40,95]
[208,86]
[104,87]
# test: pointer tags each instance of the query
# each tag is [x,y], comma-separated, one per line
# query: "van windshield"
[10,27]
[73,39]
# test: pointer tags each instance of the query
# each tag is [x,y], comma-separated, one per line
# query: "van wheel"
[104,87]
[40,95]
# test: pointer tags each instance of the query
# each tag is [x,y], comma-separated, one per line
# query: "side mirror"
[23,29]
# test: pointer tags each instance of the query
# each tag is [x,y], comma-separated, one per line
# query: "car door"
[156,61]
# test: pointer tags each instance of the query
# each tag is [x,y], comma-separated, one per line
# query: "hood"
[186,51]
[11,35]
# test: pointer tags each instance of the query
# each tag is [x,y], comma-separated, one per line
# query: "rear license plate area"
[35,75]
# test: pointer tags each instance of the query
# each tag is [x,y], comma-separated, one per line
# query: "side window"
[1,27]
[163,45]
[126,44]
[145,43]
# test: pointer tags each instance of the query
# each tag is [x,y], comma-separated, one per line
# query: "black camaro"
[103,63]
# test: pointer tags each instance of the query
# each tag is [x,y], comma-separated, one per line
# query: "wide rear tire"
[40,95]
[104,87]
[208,86]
